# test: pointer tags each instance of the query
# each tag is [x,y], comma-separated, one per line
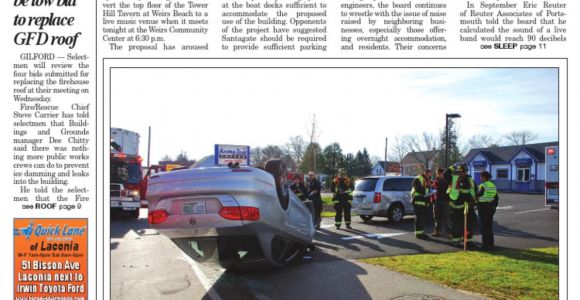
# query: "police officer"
[420,201]
[299,188]
[314,188]
[487,200]
[461,192]
[342,188]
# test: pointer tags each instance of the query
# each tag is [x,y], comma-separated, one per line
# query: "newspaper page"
[289,149]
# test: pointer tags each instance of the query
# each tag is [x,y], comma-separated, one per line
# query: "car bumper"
[371,209]
[124,203]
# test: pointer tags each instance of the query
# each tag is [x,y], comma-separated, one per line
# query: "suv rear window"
[366,185]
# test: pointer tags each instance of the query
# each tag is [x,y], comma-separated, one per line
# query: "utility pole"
[386,148]
[149,148]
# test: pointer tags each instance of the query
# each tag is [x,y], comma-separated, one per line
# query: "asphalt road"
[146,265]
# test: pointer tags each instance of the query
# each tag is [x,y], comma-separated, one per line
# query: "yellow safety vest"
[415,193]
[454,191]
[490,191]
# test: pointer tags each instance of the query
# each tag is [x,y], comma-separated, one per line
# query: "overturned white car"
[234,216]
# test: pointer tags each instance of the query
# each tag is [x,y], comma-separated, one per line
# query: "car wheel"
[366,218]
[396,213]
[278,169]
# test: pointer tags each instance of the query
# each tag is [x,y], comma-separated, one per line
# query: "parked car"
[383,196]
[232,216]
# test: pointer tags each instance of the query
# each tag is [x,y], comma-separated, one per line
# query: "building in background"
[414,163]
[513,168]
[394,168]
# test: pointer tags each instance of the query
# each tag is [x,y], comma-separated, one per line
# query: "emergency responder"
[342,189]
[299,188]
[440,205]
[314,188]
[420,200]
[461,192]
[487,200]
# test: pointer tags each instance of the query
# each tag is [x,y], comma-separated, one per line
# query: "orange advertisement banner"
[50,259]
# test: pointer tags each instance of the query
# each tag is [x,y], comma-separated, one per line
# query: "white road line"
[327,226]
[529,211]
[372,235]
[504,207]
[205,282]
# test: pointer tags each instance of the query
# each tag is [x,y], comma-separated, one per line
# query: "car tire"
[396,213]
[366,218]
[278,169]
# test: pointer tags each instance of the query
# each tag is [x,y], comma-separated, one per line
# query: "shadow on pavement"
[330,279]
[500,230]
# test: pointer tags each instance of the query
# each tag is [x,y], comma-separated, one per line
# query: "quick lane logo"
[49,231]
[26,231]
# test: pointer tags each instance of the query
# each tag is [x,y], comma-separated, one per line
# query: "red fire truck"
[126,183]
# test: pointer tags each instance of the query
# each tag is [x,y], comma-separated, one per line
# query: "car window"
[405,184]
[366,184]
[390,185]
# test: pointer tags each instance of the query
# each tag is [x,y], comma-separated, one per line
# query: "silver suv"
[383,196]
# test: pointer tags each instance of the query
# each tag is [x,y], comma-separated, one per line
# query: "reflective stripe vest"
[416,193]
[490,191]
[454,191]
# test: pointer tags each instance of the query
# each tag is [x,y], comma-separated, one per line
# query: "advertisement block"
[50,259]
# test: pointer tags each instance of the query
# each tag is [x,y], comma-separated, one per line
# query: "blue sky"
[192,109]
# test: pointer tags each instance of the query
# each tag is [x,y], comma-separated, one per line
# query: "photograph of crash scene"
[334,183]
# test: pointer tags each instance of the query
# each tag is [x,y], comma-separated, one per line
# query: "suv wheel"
[396,213]
[366,218]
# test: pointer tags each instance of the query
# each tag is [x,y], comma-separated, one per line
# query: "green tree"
[454,152]
[334,159]
[307,163]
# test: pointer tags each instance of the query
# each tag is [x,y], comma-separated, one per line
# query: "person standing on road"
[440,205]
[487,201]
[299,188]
[314,189]
[420,201]
[460,193]
[342,189]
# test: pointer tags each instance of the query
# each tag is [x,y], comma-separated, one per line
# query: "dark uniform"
[461,193]
[300,190]
[486,205]
[314,188]
[420,203]
[441,207]
[342,188]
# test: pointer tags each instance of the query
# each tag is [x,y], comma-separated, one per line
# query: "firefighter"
[420,201]
[342,188]
[299,188]
[461,192]
[440,205]
[314,188]
[487,200]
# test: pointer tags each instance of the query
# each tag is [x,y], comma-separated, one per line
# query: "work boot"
[348,226]
[337,226]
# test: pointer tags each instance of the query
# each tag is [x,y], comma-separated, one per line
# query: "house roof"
[503,155]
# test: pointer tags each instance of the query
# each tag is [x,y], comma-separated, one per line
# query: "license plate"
[359,199]
[194,207]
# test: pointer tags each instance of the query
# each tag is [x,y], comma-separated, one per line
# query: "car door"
[404,186]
